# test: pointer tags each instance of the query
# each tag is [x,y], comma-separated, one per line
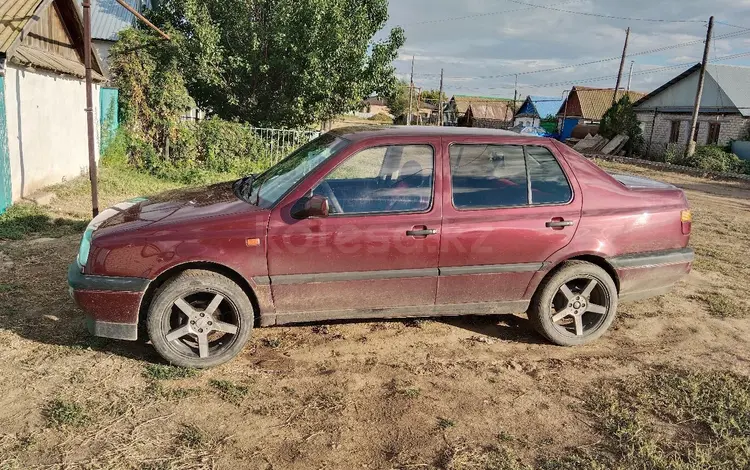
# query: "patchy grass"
[272,343]
[445,423]
[191,436]
[60,413]
[29,220]
[669,419]
[465,457]
[230,391]
[168,372]
[721,305]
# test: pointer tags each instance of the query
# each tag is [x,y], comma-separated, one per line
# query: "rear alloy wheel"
[199,319]
[576,305]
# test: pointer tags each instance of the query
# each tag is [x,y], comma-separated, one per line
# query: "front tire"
[576,305]
[199,319]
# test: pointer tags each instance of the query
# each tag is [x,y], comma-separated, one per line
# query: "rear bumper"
[644,275]
[111,304]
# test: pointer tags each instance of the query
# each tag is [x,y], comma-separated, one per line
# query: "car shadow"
[512,328]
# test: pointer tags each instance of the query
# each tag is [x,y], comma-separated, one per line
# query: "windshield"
[268,188]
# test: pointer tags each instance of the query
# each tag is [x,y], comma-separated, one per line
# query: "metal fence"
[275,144]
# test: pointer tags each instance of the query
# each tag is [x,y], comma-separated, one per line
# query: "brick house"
[665,113]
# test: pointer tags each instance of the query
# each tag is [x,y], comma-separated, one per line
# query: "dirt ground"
[428,394]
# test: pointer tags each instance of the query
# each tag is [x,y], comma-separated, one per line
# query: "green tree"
[152,90]
[398,99]
[621,119]
[284,63]
[433,97]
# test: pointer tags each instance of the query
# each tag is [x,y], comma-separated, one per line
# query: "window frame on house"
[674,131]
[714,132]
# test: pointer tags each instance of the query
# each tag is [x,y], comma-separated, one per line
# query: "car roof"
[357,133]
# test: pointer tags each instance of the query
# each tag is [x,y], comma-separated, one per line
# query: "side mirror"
[311,207]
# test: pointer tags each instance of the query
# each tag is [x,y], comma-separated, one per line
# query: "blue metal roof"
[108,17]
[543,106]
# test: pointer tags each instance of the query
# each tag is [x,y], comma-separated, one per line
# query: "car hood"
[179,205]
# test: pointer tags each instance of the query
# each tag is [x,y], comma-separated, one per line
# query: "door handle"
[422,232]
[559,223]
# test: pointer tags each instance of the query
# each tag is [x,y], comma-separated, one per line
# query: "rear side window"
[496,176]
[488,176]
[548,182]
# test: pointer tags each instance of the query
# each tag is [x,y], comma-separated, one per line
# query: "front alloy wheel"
[199,319]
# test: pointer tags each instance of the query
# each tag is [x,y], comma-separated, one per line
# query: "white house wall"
[47,133]
[682,95]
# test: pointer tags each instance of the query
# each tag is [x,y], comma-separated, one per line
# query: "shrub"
[711,158]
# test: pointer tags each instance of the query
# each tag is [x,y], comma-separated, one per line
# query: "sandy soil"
[352,395]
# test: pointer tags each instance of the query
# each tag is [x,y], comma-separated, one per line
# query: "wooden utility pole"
[93,177]
[622,65]
[93,169]
[411,90]
[699,93]
[440,100]
[515,97]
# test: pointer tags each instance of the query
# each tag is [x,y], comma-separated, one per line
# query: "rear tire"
[575,305]
[199,319]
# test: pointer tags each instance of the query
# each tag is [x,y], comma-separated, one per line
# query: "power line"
[599,15]
[608,59]
[481,15]
[606,77]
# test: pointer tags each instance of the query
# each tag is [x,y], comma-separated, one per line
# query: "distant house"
[478,111]
[539,111]
[108,18]
[587,106]
[665,113]
[373,106]
[43,131]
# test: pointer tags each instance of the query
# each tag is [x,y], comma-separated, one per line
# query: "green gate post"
[6,195]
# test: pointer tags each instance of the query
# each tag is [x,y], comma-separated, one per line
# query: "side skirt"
[484,308]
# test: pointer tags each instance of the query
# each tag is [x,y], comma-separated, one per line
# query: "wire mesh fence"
[275,144]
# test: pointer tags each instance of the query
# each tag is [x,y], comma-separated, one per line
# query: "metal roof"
[733,80]
[14,14]
[541,106]
[19,15]
[48,61]
[108,17]
[595,102]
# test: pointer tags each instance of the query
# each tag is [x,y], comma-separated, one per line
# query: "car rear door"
[497,228]
[378,248]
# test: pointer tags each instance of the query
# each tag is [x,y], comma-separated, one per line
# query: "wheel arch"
[199,265]
[592,258]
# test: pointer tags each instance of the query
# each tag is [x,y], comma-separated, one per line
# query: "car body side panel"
[514,239]
[353,261]
[213,237]
[617,221]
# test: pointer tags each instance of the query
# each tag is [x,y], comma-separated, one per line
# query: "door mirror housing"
[311,207]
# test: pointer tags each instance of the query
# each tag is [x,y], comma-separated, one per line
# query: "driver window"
[394,178]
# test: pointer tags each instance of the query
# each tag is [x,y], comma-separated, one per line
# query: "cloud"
[509,38]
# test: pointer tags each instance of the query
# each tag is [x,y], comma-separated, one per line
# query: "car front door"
[507,207]
[377,249]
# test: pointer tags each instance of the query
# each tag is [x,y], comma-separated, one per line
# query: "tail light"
[686,219]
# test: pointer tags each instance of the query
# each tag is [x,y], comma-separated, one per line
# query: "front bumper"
[111,304]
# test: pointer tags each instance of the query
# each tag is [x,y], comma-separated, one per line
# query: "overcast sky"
[512,38]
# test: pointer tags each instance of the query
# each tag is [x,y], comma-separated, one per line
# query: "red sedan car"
[384,223]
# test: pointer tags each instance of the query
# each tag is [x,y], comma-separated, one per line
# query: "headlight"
[83,250]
